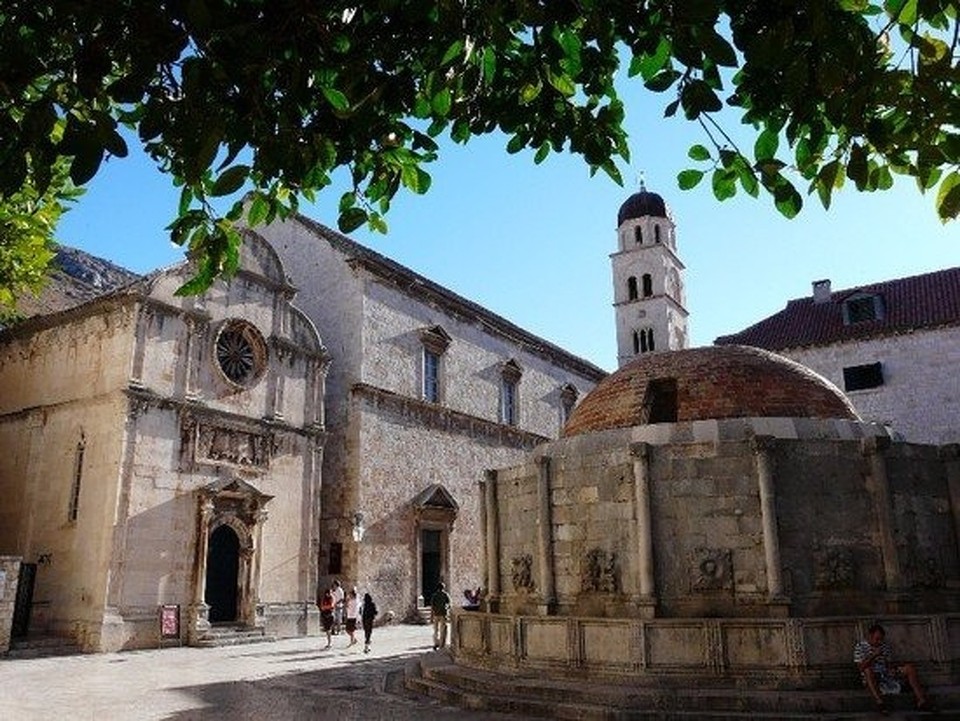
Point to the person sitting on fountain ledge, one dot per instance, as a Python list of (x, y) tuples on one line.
[(881, 674)]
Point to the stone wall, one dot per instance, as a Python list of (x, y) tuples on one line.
[(920, 395), (9, 575), (766, 653), (386, 444), (737, 527)]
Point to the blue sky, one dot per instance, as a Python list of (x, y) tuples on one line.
[(532, 243)]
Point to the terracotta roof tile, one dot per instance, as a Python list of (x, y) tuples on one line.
[(921, 301)]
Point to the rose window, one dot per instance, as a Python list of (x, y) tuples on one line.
[(240, 352)]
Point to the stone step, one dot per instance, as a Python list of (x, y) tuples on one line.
[(586, 700), (42, 647), (233, 636)]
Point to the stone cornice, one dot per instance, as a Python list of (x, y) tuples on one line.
[(443, 418), (145, 398)]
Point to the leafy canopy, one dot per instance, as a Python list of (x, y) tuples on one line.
[(273, 96)]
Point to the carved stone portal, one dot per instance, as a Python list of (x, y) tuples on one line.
[(600, 572)]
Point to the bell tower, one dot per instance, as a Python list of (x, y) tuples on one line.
[(648, 294)]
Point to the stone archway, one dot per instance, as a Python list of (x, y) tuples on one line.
[(227, 565)]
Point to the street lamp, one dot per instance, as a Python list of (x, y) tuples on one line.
[(358, 527)]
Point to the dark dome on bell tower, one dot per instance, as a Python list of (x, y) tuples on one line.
[(642, 204)]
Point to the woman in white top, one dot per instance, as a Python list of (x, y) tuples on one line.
[(352, 609)]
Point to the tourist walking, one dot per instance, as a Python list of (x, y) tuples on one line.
[(439, 609), (326, 614), (352, 611), (367, 613), (337, 591)]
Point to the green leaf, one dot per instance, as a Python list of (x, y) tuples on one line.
[(186, 199), (351, 219), (723, 184), (454, 51), (530, 91), (489, 64), (787, 199), (649, 65), (86, 161), (561, 83), (259, 207), (948, 197), (766, 145), (688, 179), (516, 144), (542, 152), (698, 152), (338, 101), (442, 102), (415, 178), (857, 166), (661, 81), (230, 180)]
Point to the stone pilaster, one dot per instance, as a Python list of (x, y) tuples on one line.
[(646, 579), (548, 587), (950, 455), (491, 546), (873, 450), (763, 451), (9, 576)]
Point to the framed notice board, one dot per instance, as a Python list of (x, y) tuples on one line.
[(169, 622)]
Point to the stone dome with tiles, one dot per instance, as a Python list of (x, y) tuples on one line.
[(709, 383)]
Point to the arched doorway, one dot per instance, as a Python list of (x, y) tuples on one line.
[(223, 564)]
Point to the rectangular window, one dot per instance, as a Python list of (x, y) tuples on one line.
[(335, 562), (431, 376), (862, 309), (508, 402), (857, 378)]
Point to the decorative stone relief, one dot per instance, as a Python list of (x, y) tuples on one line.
[(834, 569), (522, 572), (712, 569), (600, 572), (927, 573), (228, 445)]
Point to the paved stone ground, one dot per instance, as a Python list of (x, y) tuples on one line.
[(283, 680), (286, 680)]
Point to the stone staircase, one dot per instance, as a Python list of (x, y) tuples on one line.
[(233, 636), (42, 647), (436, 676)]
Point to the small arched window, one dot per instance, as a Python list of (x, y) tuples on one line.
[(647, 285), (636, 342), (656, 234), (632, 288), (638, 235)]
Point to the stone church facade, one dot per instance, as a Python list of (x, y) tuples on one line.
[(425, 391), (892, 346), (161, 451)]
